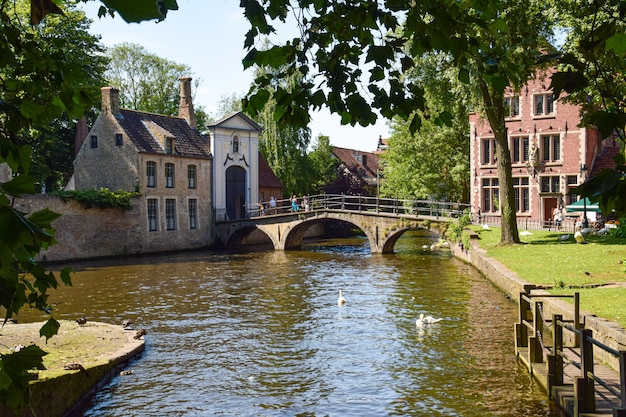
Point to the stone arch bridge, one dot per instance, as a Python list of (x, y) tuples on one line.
[(382, 220)]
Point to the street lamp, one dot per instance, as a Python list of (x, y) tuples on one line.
[(583, 175)]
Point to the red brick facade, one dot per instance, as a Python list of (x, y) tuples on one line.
[(547, 147)]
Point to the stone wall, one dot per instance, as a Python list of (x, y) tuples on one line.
[(95, 233)]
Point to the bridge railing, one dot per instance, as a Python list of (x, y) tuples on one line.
[(359, 203)]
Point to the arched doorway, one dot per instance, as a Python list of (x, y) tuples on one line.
[(235, 192)]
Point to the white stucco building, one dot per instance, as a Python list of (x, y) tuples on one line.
[(235, 146)]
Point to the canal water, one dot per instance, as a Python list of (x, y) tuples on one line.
[(261, 334)]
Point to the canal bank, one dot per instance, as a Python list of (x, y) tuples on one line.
[(607, 333), (94, 351)]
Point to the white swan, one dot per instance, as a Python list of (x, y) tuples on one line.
[(426, 320), (341, 300)]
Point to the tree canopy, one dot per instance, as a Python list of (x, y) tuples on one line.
[(591, 72), (433, 162), (354, 58), (148, 82)]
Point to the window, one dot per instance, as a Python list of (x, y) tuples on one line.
[(94, 141), (544, 104), (153, 214), (551, 148), (572, 181), (519, 149), (191, 176), (150, 174), (511, 105), (488, 151), (169, 175), (522, 194), (235, 144), (170, 214), (169, 146), (491, 194), (118, 139), (551, 184), (193, 213)]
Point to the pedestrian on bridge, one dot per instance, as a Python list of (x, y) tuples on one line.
[(294, 204), (272, 205)]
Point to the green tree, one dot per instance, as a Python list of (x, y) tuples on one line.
[(40, 81), (284, 147), (53, 143), (433, 162), (148, 82), (355, 56), (591, 72), (323, 163), (229, 104)]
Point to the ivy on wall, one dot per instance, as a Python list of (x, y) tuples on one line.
[(101, 198)]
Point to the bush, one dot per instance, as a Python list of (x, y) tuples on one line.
[(620, 231), (101, 198)]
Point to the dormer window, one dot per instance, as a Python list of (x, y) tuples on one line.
[(169, 146), (235, 144)]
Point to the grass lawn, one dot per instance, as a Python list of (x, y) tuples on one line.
[(597, 270)]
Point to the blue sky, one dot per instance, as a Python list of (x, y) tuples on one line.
[(208, 37)]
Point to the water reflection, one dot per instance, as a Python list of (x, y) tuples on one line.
[(260, 334)]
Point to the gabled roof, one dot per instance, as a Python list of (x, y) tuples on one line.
[(605, 159), (348, 157), (141, 128), (237, 120), (267, 178)]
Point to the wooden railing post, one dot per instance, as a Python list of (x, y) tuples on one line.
[(584, 385), (621, 411), (555, 359), (577, 324), (521, 330), (535, 348)]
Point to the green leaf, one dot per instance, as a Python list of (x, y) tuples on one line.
[(22, 184), (617, 43), (49, 329), (65, 276), (464, 76), (140, 10), (607, 122), (44, 218), (31, 110)]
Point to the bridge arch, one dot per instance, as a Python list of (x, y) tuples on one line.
[(239, 236)]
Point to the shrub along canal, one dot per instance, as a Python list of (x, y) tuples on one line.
[(261, 334)]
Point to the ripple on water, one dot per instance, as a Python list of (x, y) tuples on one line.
[(260, 334)]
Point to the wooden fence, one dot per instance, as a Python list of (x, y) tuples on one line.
[(560, 353)]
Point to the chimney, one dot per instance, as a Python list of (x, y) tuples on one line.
[(82, 130), (110, 100), (185, 108)]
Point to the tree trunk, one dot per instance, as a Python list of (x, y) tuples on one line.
[(494, 109), (508, 222)]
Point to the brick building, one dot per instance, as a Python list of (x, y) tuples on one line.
[(363, 165), (164, 158), (550, 153)]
